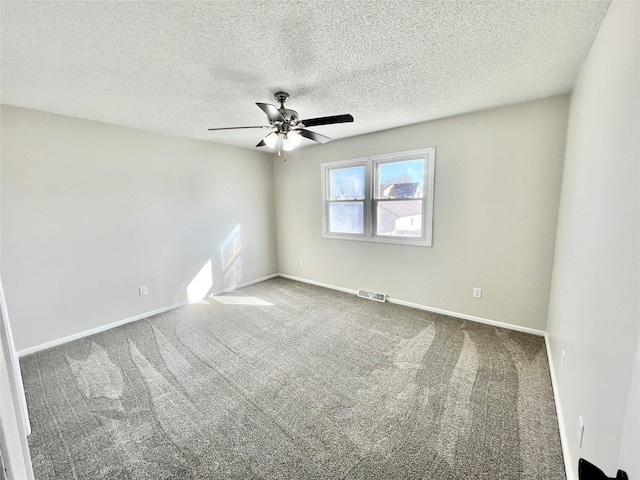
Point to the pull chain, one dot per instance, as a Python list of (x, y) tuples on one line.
[(280, 151)]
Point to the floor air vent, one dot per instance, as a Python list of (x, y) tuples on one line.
[(378, 297)]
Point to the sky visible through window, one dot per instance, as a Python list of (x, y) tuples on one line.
[(402, 172), (347, 183)]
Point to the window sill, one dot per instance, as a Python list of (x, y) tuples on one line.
[(418, 242)]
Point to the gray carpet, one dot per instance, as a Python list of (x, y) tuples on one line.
[(287, 380)]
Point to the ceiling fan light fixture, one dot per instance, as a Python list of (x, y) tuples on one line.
[(291, 140), (271, 140)]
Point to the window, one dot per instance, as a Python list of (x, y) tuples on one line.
[(345, 199), (383, 198)]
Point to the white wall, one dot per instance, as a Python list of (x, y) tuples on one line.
[(595, 311), (497, 186), (92, 211)]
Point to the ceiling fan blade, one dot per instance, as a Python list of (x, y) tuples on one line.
[(313, 122), (271, 111), (237, 128), (316, 137)]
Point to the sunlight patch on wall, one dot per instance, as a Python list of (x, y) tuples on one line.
[(230, 260), (201, 284)]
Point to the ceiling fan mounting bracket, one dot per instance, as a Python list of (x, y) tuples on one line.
[(281, 97)]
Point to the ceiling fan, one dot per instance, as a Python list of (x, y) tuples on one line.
[(287, 129)]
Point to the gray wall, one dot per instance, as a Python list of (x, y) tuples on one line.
[(497, 187), (594, 311), (92, 211)]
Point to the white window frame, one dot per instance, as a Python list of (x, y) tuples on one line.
[(370, 202), (327, 167)]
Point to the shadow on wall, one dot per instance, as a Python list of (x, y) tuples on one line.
[(227, 278)]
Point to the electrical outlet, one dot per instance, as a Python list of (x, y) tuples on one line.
[(580, 431), (301, 262), (563, 357), (142, 291), (477, 292)]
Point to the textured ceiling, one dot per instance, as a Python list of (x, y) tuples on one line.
[(182, 67)]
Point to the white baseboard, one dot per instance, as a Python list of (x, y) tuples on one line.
[(102, 328), (561, 424), (463, 316), (320, 284)]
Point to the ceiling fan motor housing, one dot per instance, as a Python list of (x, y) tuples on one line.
[(290, 116)]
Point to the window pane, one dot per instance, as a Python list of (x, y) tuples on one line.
[(346, 183), (400, 218), (346, 217), (404, 179)]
